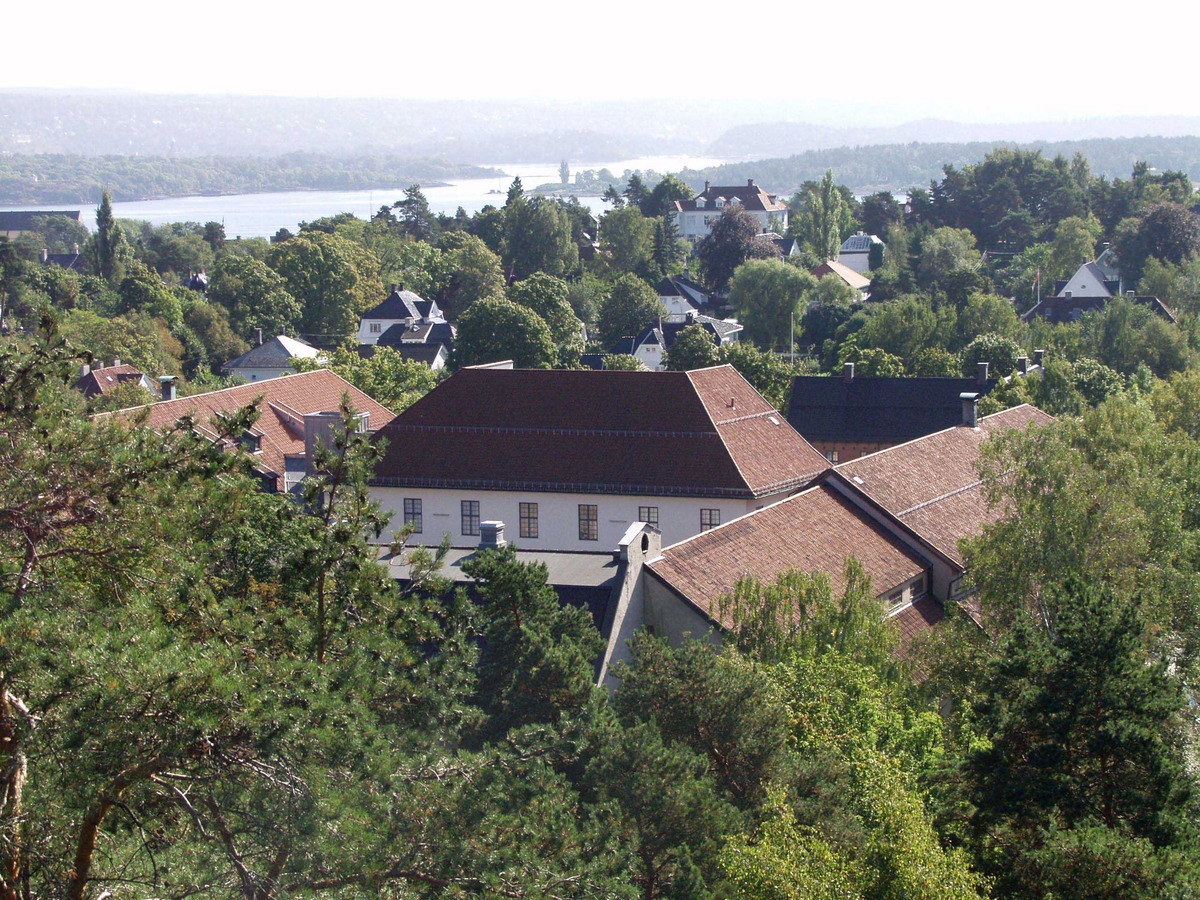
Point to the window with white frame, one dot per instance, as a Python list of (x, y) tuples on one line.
[(376, 327)]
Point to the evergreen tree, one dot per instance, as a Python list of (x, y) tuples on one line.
[(109, 248)]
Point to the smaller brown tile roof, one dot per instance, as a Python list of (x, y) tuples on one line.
[(101, 381), (932, 484), (816, 530), (282, 403)]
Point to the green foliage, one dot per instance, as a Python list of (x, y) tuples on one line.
[(872, 362), (1073, 245), (768, 295), (495, 329), (254, 296), (1000, 353), (945, 251), (385, 376), (767, 372), (623, 362), (628, 238), (630, 306), (732, 241), (547, 296), (825, 218), (334, 280), (467, 271), (537, 238), (694, 348)]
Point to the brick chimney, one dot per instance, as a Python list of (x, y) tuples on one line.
[(848, 372), (749, 182), (969, 409)]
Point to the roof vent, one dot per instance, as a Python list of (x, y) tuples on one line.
[(491, 536), (733, 402), (969, 409)]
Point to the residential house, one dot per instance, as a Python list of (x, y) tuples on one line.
[(270, 360), (787, 246), (73, 261), (694, 218), (900, 513), (99, 379), (835, 269), (851, 416), (572, 458), (681, 296), (401, 308), (435, 355), (15, 223), (650, 346), (862, 252), (1091, 288), (294, 410)]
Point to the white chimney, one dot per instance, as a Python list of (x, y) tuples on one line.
[(491, 535), (848, 372)]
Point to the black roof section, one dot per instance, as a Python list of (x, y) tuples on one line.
[(399, 305), (878, 410), (22, 219)]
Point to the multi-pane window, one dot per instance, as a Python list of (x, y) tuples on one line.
[(412, 514), (709, 518), (529, 525), (470, 517), (376, 327), (589, 522), (648, 514)]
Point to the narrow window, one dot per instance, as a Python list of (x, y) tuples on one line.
[(529, 525), (709, 518), (412, 514), (648, 514), (918, 587), (589, 522), (470, 517)]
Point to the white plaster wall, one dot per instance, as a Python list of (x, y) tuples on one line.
[(558, 515), (250, 374), (364, 329), (859, 262)]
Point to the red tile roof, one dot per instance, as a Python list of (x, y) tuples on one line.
[(282, 403), (932, 484), (813, 531), (100, 381), (655, 433)]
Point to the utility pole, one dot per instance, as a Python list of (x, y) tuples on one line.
[(793, 336)]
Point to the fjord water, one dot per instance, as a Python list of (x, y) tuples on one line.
[(261, 215)]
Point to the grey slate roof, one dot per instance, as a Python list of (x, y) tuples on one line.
[(424, 333), (22, 219), (666, 335), (859, 243), (1068, 309), (272, 354), (877, 410), (399, 305)]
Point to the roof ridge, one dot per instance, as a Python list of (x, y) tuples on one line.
[(940, 497)]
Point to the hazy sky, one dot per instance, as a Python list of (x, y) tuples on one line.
[(863, 62)]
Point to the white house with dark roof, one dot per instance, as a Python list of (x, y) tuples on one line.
[(694, 218), (570, 459), (855, 252), (650, 346), (402, 310), (271, 359)]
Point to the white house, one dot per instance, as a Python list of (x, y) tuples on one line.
[(402, 308), (650, 346), (695, 218), (569, 459), (271, 359), (855, 252)]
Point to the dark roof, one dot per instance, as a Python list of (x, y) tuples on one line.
[(272, 354), (932, 484), (101, 381), (283, 403), (75, 262), (750, 196), (877, 410), (666, 334), (418, 333), (399, 305), (816, 530), (592, 361), (1068, 309), (22, 220), (614, 432)]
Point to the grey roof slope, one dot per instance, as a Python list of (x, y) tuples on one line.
[(400, 305), (877, 410), (667, 333), (272, 354), (22, 219), (859, 243)]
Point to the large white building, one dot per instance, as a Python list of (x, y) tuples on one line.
[(695, 218), (568, 460)]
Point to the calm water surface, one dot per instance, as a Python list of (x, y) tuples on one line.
[(261, 215)]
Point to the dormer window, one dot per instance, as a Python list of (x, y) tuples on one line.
[(733, 201), (720, 202), (251, 442), (376, 327)]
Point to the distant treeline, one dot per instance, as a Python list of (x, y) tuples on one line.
[(900, 166), (57, 178)]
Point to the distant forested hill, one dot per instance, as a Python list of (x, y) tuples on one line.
[(54, 178), (900, 166)]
